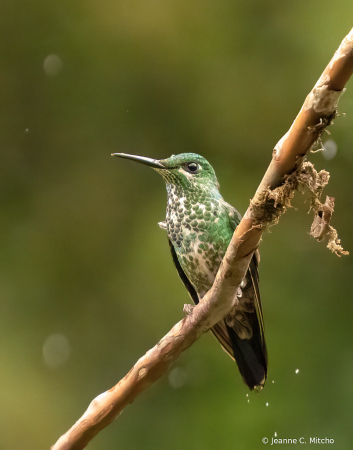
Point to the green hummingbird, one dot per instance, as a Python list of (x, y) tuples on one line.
[(200, 225)]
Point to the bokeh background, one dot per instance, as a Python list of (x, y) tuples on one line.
[(86, 280)]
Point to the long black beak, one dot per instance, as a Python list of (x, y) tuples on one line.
[(142, 159)]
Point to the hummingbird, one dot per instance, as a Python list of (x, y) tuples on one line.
[(200, 224)]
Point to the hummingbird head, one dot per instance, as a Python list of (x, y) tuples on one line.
[(187, 171)]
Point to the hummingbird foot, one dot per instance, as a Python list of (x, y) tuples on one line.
[(188, 309)]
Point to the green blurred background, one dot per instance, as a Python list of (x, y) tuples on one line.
[(87, 283)]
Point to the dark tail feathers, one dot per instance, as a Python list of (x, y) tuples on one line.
[(251, 357)]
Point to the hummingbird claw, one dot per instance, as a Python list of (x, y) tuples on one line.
[(188, 309)]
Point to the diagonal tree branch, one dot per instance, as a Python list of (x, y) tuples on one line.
[(284, 175)]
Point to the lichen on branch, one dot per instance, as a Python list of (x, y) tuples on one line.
[(321, 228), (270, 204)]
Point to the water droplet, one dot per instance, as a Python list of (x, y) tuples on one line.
[(177, 378), (267, 404), (247, 395), (56, 350), (52, 65), (275, 434), (27, 130), (330, 149), (248, 401), (273, 381), (296, 370)]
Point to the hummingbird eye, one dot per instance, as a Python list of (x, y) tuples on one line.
[(192, 167)]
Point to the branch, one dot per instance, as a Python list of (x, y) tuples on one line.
[(155, 363), (284, 175)]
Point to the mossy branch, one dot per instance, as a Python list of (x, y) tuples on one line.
[(270, 204)]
